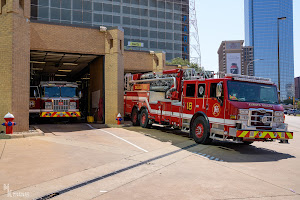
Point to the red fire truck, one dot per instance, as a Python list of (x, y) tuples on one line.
[(238, 108), (54, 99)]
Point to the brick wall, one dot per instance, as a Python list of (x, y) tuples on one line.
[(114, 75), (14, 61), (58, 38), (138, 61)]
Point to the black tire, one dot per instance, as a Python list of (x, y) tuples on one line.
[(135, 117), (200, 131), (144, 120), (247, 142)]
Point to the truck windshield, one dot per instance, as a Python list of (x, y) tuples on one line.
[(59, 92), (51, 92), (68, 92), (252, 92)]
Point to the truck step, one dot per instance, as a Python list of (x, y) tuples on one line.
[(186, 125), (186, 130)]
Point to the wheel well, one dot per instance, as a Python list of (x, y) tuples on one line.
[(197, 114), (142, 108)]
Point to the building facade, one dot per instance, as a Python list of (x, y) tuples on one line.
[(234, 58), (156, 25), (297, 87), (33, 51), (269, 29)]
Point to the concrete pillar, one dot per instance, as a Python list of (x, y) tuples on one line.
[(15, 61), (114, 75)]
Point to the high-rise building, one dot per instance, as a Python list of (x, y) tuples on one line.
[(297, 87), (248, 60), (269, 29), (157, 25), (235, 58)]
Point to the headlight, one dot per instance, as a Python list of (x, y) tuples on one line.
[(73, 105), (278, 119), (48, 105), (278, 114), (243, 111), (244, 117)]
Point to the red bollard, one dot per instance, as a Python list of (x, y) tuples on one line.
[(119, 119), (9, 123)]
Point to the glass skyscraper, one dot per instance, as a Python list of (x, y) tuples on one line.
[(157, 25), (263, 26)]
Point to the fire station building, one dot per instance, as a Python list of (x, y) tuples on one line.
[(32, 51)]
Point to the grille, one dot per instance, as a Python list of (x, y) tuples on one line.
[(61, 105), (261, 118)]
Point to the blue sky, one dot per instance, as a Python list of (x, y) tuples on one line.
[(220, 20)]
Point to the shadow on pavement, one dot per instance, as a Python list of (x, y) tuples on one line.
[(225, 151), (231, 152)]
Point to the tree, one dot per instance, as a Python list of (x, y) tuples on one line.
[(288, 101), (184, 62)]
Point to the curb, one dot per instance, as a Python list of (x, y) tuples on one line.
[(37, 132), (118, 126)]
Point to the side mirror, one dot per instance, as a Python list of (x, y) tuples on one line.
[(80, 94), (34, 93), (219, 89)]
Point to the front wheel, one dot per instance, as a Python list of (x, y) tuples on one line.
[(144, 120), (247, 142), (200, 131)]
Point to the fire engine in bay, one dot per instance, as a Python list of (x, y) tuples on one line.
[(236, 108), (54, 99)]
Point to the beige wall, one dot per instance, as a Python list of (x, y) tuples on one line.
[(57, 38), (144, 61), (138, 61), (14, 61)]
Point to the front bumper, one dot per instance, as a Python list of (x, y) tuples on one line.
[(264, 135), (60, 114)]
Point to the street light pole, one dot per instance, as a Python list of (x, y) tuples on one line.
[(278, 53), (252, 62)]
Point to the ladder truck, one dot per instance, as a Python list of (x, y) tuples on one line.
[(236, 108)]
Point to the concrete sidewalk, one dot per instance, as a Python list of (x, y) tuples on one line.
[(79, 162)]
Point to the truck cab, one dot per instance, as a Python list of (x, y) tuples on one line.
[(241, 108)]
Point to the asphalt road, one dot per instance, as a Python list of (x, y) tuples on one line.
[(79, 161)]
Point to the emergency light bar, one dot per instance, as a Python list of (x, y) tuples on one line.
[(249, 78)]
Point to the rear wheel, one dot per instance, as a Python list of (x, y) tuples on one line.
[(200, 131), (144, 120), (135, 117)]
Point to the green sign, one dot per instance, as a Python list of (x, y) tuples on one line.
[(135, 44)]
